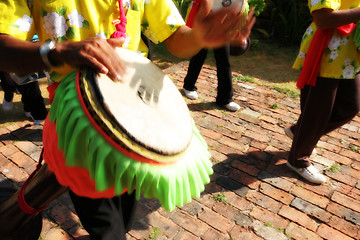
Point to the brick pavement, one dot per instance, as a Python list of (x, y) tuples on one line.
[(252, 194)]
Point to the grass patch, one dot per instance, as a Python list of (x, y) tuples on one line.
[(334, 168), (154, 234), (219, 197), (354, 148)]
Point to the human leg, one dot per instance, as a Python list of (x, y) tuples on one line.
[(106, 218), (195, 65), (33, 100), (224, 75), (317, 104)]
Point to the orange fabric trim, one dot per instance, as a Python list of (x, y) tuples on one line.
[(76, 178)]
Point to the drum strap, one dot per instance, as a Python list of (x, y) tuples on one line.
[(26, 208), (120, 23)]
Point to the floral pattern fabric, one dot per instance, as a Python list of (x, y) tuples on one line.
[(68, 20), (341, 60)]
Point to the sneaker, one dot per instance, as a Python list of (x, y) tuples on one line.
[(290, 134), (190, 94), (7, 106), (28, 115), (38, 122), (310, 173), (232, 106)]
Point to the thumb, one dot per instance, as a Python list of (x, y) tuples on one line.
[(205, 8), (116, 42)]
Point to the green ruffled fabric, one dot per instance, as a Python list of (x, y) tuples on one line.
[(84, 147)]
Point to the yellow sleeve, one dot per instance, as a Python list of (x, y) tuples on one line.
[(319, 4), (163, 18), (16, 19)]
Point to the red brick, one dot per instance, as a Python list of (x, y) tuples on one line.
[(298, 217), (309, 196), (239, 202), (343, 212), (64, 217), (211, 134), (344, 226), (336, 157), (264, 215), (8, 150), (330, 233), (24, 161), (213, 234), (263, 200), (346, 201), (343, 178), (249, 169), (215, 220), (299, 233), (189, 223), (166, 226), (276, 193), (245, 179), (13, 172), (241, 233), (27, 147), (257, 136), (183, 235)]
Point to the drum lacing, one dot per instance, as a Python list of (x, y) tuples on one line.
[(26, 208), (120, 23)]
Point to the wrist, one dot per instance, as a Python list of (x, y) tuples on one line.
[(48, 54)]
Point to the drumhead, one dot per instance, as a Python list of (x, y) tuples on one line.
[(145, 111), (229, 3)]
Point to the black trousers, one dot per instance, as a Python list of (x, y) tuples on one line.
[(324, 108), (224, 75), (30, 96), (106, 218)]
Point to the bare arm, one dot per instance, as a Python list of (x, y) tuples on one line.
[(328, 18), (23, 57), (210, 30)]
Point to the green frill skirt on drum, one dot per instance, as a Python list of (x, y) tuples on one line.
[(84, 159)]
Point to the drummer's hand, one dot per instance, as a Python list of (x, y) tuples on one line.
[(95, 52), (244, 32), (216, 28)]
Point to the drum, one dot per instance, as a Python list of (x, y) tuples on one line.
[(241, 4), (104, 138)]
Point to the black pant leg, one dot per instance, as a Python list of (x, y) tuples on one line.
[(7, 88), (33, 100), (224, 75), (106, 218), (195, 65), (317, 104), (346, 105)]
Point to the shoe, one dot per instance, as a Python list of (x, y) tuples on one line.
[(310, 173), (290, 134), (28, 115), (190, 94), (232, 106), (38, 122), (7, 106)]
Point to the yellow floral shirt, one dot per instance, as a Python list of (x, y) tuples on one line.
[(72, 20), (341, 60)]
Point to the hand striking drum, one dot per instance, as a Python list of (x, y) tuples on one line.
[(117, 137)]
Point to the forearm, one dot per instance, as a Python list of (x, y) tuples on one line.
[(328, 18), (182, 43), (19, 56)]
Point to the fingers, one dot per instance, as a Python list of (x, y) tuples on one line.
[(96, 53)]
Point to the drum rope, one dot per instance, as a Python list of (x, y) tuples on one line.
[(26, 208), (120, 23)]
